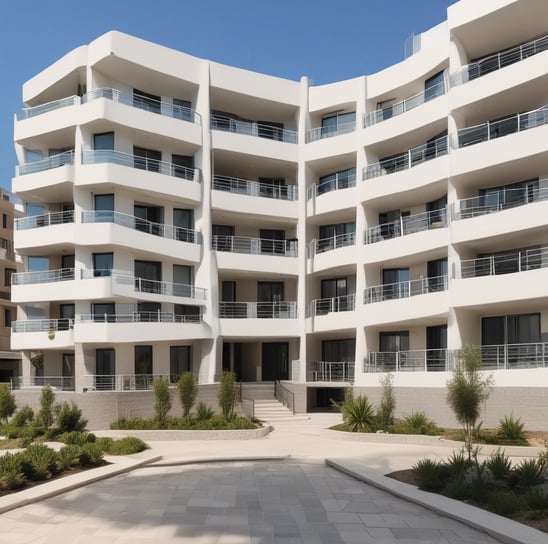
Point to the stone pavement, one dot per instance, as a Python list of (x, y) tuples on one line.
[(295, 499)]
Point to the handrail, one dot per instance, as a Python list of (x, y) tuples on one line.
[(63, 383), (139, 317), (99, 156), (284, 395), (337, 182), (136, 223), (121, 382), (323, 306), (492, 130), (379, 115), (44, 220), (332, 371), (54, 161), (258, 310), (42, 325), (319, 133), (409, 224), (254, 188), (143, 285), (43, 276), (33, 111), (412, 157), (254, 246), (417, 360), (322, 245), (252, 128), (496, 61), (404, 289)]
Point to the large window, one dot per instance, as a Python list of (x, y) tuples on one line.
[(146, 159), (104, 208), (105, 369), (508, 196), (103, 141), (434, 86), (143, 360), (394, 341), (337, 180), (510, 329), (102, 264), (343, 350), (180, 360), (335, 124), (146, 101)]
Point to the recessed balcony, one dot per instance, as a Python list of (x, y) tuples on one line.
[(505, 263), (331, 371), (324, 306), (405, 289), (319, 133), (339, 180), (42, 334), (254, 246), (418, 360), (254, 188), (323, 245), (258, 310), (55, 161), (252, 128)]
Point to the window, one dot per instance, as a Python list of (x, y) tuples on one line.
[(508, 196), (149, 219), (182, 280), (146, 159), (183, 166), (182, 109), (272, 241), (185, 313), (510, 329), (66, 314), (8, 272), (103, 312), (333, 236), (105, 369), (434, 86), (336, 180), (147, 101), (272, 187), (183, 220), (436, 347), (149, 311), (102, 264), (103, 141), (337, 124), (180, 360), (37, 264), (333, 288), (339, 350), (148, 276), (104, 208), (270, 130), (222, 237), (395, 283), (143, 362), (4, 221), (7, 317), (394, 341)]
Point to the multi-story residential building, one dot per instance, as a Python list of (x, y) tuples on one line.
[(183, 214)]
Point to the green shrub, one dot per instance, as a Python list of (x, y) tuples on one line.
[(78, 438), (124, 446), (162, 399), (457, 465), (387, 406), (188, 390), (429, 475), (91, 455), (504, 503), (11, 471), (68, 456), (416, 423), (528, 473), (7, 402), (536, 499), (23, 417), (458, 489), (511, 429), (69, 417), (226, 394), (39, 462), (359, 414), (499, 464), (47, 399), (217, 422), (204, 412)]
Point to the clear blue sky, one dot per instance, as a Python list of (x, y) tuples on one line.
[(326, 40)]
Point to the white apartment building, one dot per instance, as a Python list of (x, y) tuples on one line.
[(186, 215)]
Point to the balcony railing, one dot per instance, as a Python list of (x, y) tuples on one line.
[(335, 242), (334, 184), (258, 310), (142, 285), (377, 116), (405, 289), (44, 220), (139, 317), (254, 188), (514, 356), (324, 306), (62, 383), (251, 128), (407, 225), (492, 130), (27, 113), (412, 157), (43, 276), (121, 382), (254, 246), (418, 360), (330, 371), (45, 164), (136, 223), (91, 156), (505, 263), (43, 325), (497, 201), (319, 133), (499, 60)]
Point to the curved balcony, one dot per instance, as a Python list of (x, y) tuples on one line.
[(27, 113), (252, 128), (258, 310), (319, 133), (254, 188), (254, 246), (405, 289), (34, 334), (324, 306), (44, 220), (335, 183), (322, 245), (331, 371), (43, 276), (55, 161)]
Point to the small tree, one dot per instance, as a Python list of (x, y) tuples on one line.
[(226, 394), (188, 390), (162, 404), (387, 406), (47, 399), (69, 417), (7, 402), (466, 391)]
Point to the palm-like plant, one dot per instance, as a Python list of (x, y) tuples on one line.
[(358, 414)]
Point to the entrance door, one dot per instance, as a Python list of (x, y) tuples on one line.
[(105, 369), (275, 361)]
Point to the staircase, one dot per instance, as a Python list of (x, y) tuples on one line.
[(266, 406)]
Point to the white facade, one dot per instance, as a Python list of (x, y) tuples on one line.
[(185, 214)]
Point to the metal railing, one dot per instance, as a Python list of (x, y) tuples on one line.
[(99, 156), (139, 317), (136, 223), (258, 310), (503, 199), (499, 60), (44, 220), (514, 356), (252, 128), (323, 306), (254, 246), (412, 157), (134, 100), (377, 116), (322, 245), (142, 285), (121, 382), (254, 188), (409, 224), (418, 360), (43, 325), (27, 113), (43, 276), (284, 395), (319, 133), (331, 371), (45, 164), (62, 383), (335, 183), (492, 130), (405, 289), (505, 263)]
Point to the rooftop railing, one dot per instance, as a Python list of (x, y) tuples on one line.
[(319, 133), (121, 382), (42, 325), (45, 164), (139, 317), (61, 383), (324, 306), (377, 116), (254, 246), (254, 188), (505, 263), (136, 223), (99, 156), (258, 310), (252, 128), (43, 276), (27, 113), (408, 224), (334, 184), (497, 201), (417, 360), (410, 158), (405, 289), (44, 220), (331, 371), (492, 130), (142, 285), (499, 60), (322, 245)]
